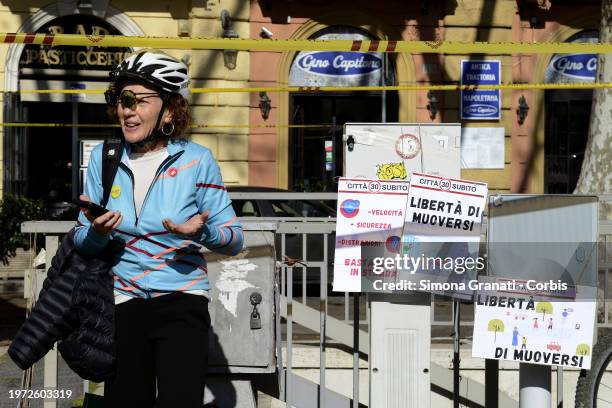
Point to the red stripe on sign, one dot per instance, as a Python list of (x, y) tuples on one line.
[(210, 186), (448, 191), (48, 39), (29, 38), (370, 192), (10, 38), (356, 45), (373, 45), (446, 178), (391, 46)]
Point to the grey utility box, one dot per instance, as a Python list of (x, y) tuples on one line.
[(244, 320), (543, 237), (234, 346)]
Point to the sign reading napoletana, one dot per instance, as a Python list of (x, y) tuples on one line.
[(480, 104)]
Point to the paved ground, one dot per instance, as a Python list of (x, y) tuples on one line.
[(12, 314), (305, 360)]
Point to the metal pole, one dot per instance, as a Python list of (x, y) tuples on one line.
[(355, 349), (289, 362), (50, 359), (75, 149), (384, 93), (491, 383), (456, 359), (323, 323), (534, 384), (559, 387)]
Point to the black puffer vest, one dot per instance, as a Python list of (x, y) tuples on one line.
[(76, 308)]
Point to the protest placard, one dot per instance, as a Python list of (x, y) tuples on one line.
[(370, 213), (515, 326), (442, 227)]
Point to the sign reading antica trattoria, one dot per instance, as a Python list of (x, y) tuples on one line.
[(74, 58)]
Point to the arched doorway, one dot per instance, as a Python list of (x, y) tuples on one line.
[(48, 162), (567, 116), (315, 154)]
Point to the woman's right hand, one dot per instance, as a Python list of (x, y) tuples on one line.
[(105, 223)]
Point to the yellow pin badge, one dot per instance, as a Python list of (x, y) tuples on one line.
[(115, 191)]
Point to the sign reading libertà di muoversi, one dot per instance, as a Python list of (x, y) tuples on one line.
[(442, 229), (370, 214), (516, 322), (443, 209)]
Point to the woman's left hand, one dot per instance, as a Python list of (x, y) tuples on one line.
[(192, 228)]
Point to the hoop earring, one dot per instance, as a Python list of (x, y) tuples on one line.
[(164, 129)]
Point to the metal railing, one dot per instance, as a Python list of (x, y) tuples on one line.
[(340, 317)]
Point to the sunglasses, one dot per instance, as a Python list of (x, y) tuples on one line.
[(127, 99)]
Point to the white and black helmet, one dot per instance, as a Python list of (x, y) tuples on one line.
[(156, 68)]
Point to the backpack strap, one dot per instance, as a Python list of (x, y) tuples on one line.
[(111, 156)]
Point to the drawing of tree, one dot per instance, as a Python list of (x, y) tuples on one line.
[(583, 349), (495, 325), (544, 308)]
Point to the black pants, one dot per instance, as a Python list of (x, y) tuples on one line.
[(160, 341)]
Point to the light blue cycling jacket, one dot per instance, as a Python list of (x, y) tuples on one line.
[(154, 261)]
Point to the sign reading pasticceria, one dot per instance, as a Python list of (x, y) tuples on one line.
[(72, 58)]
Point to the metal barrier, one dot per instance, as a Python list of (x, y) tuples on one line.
[(342, 318)]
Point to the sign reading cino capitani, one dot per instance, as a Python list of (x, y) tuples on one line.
[(573, 68), (331, 68), (480, 104)]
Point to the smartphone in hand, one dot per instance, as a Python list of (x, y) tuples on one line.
[(94, 209)]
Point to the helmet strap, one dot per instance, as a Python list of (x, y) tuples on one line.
[(156, 135)]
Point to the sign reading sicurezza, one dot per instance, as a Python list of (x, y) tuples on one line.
[(480, 104), (370, 213), (399, 236)]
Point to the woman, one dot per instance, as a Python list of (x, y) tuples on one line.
[(167, 202)]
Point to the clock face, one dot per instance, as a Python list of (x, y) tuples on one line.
[(407, 146)]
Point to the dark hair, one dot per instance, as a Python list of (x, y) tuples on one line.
[(176, 104)]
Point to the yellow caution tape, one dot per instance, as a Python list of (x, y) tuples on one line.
[(58, 125), (61, 91), (438, 46), (195, 126), (450, 87)]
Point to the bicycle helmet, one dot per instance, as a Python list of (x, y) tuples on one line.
[(156, 68)]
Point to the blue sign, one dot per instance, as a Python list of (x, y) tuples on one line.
[(577, 66), (481, 104), (339, 63)]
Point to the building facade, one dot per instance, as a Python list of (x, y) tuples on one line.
[(535, 142)]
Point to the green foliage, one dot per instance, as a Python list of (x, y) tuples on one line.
[(495, 325), (583, 350), (13, 211), (544, 308)]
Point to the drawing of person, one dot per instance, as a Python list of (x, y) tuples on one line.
[(524, 343), (535, 322), (515, 335), (550, 323)]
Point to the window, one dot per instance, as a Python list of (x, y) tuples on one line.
[(245, 208)]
